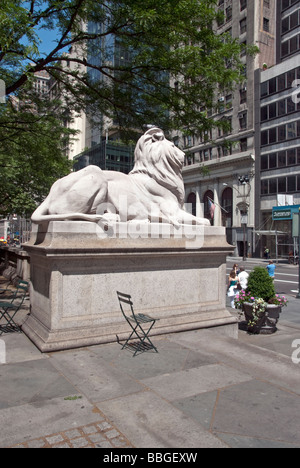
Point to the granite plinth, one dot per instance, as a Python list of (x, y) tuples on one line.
[(77, 267)]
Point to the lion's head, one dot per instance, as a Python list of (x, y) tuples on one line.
[(160, 159)]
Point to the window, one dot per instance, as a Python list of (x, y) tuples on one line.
[(272, 135), (264, 162), (227, 207), (272, 86), (294, 20), (243, 95), (264, 187), (207, 201), (285, 4), (291, 157), (272, 110), (281, 107), (266, 24), (285, 49), (282, 159), (290, 105), (264, 138), (281, 82), (264, 114), (243, 4), (293, 44), (243, 144), (264, 89), (228, 101), (243, 26), (272, 186), (229, 13), (243, 48), (285, 25), (243, 120), (272, 160), (290, 78), (291, 184), (282, 185), (291, 130), (281, 133), (191, 200)]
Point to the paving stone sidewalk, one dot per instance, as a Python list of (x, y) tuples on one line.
[(203, 389), (100, 434)]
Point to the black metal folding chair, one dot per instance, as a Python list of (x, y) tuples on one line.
[(140, 324), (10, 307)]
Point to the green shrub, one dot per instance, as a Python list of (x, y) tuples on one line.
[(260, 284)]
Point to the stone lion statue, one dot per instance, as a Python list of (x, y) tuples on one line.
[(152, 191)]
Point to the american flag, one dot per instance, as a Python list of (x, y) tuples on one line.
[(211, 207)]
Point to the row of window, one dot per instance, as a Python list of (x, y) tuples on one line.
[(287, 4), (291, 46), (290, 22), (281, 133), (279, 108), (207, 154), (289, 184), (290, 157), (280, 83)]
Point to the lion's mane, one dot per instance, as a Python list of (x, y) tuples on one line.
[(161, 160)]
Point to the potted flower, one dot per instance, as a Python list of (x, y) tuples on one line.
[(259, 303)]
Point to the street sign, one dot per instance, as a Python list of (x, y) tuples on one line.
[(282, 214)]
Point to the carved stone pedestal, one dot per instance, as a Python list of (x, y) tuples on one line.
[(77, 267)]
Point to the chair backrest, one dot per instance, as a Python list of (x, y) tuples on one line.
[(125, 299), (21, 291)]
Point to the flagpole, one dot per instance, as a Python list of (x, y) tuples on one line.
[(215, 203)]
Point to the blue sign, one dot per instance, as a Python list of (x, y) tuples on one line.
[(281, 213)]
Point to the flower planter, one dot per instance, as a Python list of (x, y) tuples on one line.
[(267, 321)]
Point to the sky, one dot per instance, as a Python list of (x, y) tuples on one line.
[(48, 40)]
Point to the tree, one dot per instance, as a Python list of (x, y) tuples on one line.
[(31, 154), (134, 62)]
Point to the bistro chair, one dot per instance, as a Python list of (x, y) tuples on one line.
[(140, 324)]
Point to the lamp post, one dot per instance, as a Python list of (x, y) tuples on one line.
[(243, 207)]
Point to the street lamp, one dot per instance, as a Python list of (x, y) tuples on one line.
[(243, 206)]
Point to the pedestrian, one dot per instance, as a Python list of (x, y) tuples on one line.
[(236, 268), (267, 253), (243, 278), (271, 269), (233, 282)]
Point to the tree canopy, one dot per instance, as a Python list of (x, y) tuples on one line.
[(134, 62)]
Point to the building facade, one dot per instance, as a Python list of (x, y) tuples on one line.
[(278, 136), (225, 174), (109, 155)]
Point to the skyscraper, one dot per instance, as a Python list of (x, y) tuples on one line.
[(230, 159), (278, 136)]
